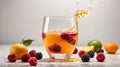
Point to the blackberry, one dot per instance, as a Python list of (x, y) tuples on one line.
[(100, 50), (38, 55), (91, 53), (85, 58)]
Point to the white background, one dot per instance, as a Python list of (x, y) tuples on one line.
[(22, 19)]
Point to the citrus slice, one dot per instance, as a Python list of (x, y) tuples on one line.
[(87, 48)]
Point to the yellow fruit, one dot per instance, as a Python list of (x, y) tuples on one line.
[(87, 48), (111, 47), (18, 49), (96, 43)]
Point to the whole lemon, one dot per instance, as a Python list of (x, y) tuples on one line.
[(18, 49), (96, 43), (111, 47)]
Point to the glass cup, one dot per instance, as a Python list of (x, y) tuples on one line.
[(59, 36)]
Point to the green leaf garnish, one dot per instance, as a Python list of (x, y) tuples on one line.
[(27, 42)]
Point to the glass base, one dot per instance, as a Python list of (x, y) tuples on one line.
[(59, 57)]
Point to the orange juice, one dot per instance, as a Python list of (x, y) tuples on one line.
[(60, 42)]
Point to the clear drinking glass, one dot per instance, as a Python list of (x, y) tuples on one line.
[(59, 36)]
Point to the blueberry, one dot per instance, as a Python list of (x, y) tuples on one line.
[(91, 53), (100, 50), (85, 58)]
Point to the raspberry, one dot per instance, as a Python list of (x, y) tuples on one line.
[(100, 57), (64, 36), (32, 61), (100, 50), (25, 57), (85, 58), (75, 51), (91, 53), (43, 35), (55, 48), (32, 53), (71, 40), (38, 55), (12, 58), (82, 52)]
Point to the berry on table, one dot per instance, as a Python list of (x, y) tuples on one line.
[(32, 61), (85, 58), (38, 55), (25, 57), (75, 51), (100, 50), (32, 53), (12, 58), (91, 53), (82, 52), (100, 57)]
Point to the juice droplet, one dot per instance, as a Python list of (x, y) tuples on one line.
[(102, 3), (90, 1), (77, 3)]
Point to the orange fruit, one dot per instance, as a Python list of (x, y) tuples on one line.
[(18, 49), (111, 47)]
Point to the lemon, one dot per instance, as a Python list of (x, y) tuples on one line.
[(87, 48), (18, 49), (96, 43)]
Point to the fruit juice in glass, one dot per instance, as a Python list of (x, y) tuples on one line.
[(60, 37)]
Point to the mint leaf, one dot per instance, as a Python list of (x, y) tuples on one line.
[(27, 42)]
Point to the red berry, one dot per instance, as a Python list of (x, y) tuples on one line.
[(75, 51), (43, 35), (71, 40), (64, 36), (100, 57), (12, 58), (25, 57), (72, 34), (81, 53), (55, 48), (32, 61), (32, 53)]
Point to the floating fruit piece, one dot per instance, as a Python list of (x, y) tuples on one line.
[(96, 43), (55, 48), (64, 36), (18, 50), (87, 48), (71, 40), (100, 57), (12, 58), (111, 47), (43, 35), (75, 51)]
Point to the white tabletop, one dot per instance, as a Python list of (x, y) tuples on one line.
[(110, 61)]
